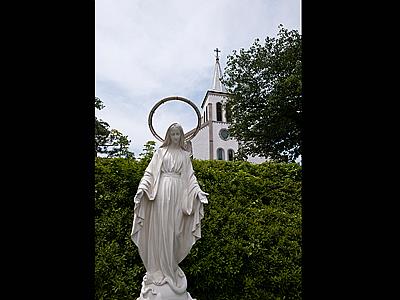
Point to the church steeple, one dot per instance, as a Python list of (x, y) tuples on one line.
[(217, 85)]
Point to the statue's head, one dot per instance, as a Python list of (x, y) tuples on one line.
[(174, 136)]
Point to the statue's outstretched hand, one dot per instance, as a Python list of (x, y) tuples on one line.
[(203, 196), (138, 196)]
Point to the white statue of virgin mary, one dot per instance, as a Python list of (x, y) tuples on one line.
[(167, 215)]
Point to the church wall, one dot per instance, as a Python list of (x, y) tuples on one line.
[(219, 143), (214, 99), (200, 144)]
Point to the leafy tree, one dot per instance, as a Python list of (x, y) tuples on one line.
[(265, 106), (111, 142), (148, 151), (101, 130), (120, 144)]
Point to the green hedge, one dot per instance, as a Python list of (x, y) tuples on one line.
[(251, 233)]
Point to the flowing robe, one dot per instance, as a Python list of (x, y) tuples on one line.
[(167, 218)]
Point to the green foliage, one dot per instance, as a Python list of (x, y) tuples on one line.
[(102, 131), (110, 142), (98, 103), (120, 144), (251, 233), (148, 151), (119, 271), (265, 105)]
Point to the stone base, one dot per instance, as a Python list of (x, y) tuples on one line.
[(164, 291)]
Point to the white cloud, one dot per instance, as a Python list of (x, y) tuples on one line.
[(147, 50)]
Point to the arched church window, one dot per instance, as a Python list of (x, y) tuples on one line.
[(219, 111), (220, 154), (230, 154), (228, 113)]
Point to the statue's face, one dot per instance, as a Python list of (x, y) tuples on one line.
[(175, 136)]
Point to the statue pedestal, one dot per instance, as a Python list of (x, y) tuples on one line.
[(151, 291)]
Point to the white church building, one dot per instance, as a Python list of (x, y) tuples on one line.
[(213, 140)]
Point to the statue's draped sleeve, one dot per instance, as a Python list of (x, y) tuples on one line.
[(192, 207), (149, 185), (151, 177)]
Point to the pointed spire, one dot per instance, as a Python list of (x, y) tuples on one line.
[(216, 83)]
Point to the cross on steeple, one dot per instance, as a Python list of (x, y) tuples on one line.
[(216, 50), (217, 84)]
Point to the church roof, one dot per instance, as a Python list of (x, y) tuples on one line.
[(209, 92), (217, 85)]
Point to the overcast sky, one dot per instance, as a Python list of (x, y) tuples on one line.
[(150, 49)]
